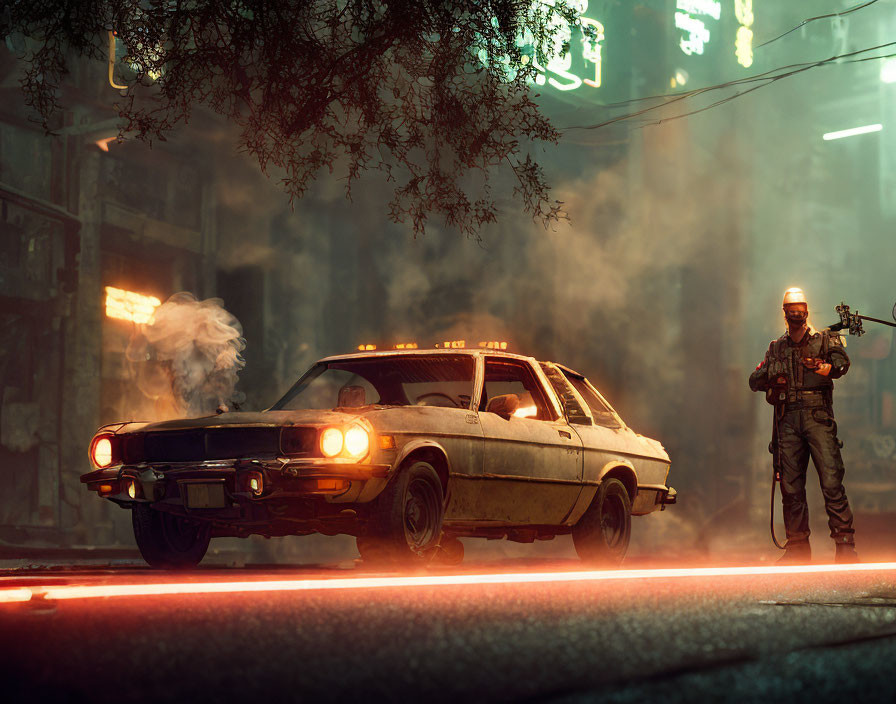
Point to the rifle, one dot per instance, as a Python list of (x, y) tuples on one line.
[(852, 322)]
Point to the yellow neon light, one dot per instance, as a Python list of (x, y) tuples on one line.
[(73, 591), (406, 346), (743, 43), (366, 348), (127, 305), (103, 144), (112, 64), (494, 345)]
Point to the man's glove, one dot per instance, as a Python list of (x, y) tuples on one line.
[(817, 365)]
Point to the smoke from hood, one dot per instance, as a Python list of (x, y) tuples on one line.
[(187, 358)]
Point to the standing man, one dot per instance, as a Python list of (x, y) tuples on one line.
[(797, 376)]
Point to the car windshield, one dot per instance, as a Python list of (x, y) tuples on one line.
[(412, 380)]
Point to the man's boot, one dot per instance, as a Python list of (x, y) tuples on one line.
[(796, 554), (846, 554)]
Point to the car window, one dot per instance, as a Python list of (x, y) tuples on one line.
[(407, 380), (573, 409), (332, 389), (509, 376), (602, 413)]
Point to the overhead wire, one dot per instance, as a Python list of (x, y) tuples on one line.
[(765, 78), (819, 17)]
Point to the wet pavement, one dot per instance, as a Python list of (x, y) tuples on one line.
[(757, 637)]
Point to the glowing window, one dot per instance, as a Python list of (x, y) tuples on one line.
[(128, 305)]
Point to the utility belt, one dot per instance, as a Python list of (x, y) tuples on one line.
[(798, 400)]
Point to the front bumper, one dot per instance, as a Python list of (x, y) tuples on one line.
[(276, 478)]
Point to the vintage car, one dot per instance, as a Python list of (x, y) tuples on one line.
[(408, 450)]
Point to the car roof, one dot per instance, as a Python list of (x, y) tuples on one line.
[(467, 351)]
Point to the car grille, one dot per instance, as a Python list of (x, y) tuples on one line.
[(210, 444)]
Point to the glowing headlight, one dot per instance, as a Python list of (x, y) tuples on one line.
[(102, 452), (357, 441), (331, 442)]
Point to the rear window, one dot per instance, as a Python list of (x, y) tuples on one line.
[(603, 414), (574, 412)]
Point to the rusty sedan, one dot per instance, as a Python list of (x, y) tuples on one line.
[(407, 450)]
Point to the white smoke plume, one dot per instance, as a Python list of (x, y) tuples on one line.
[(187, 358)]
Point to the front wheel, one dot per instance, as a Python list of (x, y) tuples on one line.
[(602, 535), (406, 521), (168, 541)]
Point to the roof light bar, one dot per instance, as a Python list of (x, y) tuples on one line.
[(827, 137), (452, 344)]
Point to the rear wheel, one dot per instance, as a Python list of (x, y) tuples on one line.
[(602, 535), (450, 552), (168, 541), (406, 520)]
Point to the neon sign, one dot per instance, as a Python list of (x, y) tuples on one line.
[(691, 17), (743, 44), (571, 64)]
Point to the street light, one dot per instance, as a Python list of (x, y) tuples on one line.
[(827, 137), (888, 71)]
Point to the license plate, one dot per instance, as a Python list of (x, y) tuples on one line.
[(206, 496)]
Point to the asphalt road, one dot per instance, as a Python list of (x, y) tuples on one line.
[(794, 637)]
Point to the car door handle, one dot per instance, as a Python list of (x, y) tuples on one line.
[(565, 434)]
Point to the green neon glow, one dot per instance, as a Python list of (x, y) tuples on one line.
[(579, 65)]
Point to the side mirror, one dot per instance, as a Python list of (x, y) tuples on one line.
[(504, 405)]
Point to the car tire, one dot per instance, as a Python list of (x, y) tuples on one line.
[(406, 520), (602, 534), (449, 553), (167, 541)]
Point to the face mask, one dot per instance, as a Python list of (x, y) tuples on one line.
[(796, 318)]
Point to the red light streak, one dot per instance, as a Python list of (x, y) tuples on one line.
[(8, 596), (174, 588)]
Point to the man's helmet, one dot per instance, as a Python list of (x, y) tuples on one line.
[(794, 295)]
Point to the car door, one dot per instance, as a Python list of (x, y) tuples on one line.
[(532, 461), (610, 441)]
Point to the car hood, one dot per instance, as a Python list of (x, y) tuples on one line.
[(256, 418)]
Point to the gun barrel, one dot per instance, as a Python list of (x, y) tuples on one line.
[(876, 320)]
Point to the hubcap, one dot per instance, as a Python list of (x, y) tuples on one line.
[(181, 535), (421, 512), (612, 521)]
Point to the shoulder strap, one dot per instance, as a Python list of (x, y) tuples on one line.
[(779, 347)]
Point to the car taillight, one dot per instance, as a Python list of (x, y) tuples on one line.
[(102, 450)]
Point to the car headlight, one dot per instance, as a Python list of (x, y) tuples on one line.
[(331, 442), (357, 441), (101, 451)]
